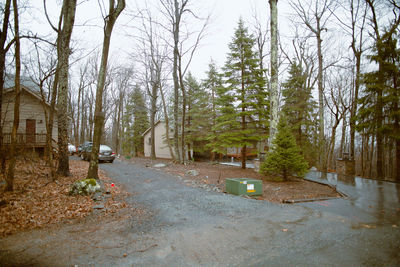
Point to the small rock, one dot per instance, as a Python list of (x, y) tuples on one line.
[(97, 196), (192, 172), (313, 169), (159, 165), (216, 189), (98, 207)]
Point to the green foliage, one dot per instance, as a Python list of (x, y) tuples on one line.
[(380, 98), (136, 121), (285, 158), (299, 109), (242, 100), (199, 117)]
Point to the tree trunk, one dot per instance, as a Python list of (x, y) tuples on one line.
[(3, 51), (321, 122), (176, 80), (353, 112), (331, 149), (182, 85), (12, 153), (167, 125), (343, 138), (99, 114), (68, 18), (379, 134), (274, 70), (371, 156), (396, 126), (152, 121)]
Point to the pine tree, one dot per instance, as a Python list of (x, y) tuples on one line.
[(239, 100), (141, 120), (135, 122), (199, 118), (211, 84), (379, 112), (285, 158), (298, 108)]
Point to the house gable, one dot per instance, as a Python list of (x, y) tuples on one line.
[(31, 113), (161, 146)]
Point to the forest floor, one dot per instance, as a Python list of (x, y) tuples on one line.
[(37, 201), (214, 174)]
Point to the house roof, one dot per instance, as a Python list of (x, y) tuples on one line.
[(28, 82), (27, 85), (148, 129)]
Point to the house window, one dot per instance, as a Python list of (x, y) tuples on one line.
[(149, 141)]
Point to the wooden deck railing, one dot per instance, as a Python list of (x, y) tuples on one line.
[(26, 139)]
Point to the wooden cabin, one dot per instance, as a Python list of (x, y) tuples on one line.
[(32, 124)]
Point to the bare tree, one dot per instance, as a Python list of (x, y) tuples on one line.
[(338, 103), (60, 87), (153, 54), (358, 18), (315, 17), (13, 159), (41, 72), (109, 22), (122, 83), (174, 11)]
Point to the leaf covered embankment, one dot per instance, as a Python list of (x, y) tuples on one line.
[(36, 201)]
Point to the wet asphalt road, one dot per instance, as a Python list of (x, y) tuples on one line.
[(193, 227), (368, 201)]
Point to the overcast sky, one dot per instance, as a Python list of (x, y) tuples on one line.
[(87, 33)]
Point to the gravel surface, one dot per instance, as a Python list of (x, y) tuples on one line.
[(186, 226)]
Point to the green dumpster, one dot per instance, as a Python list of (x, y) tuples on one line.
[(243, 186)]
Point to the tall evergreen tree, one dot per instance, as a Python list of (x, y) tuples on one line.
[(140, 120), (136, 121), (379, 112), (298, 108), (239, 97), (285, 157), (211, 84), (199, 118)]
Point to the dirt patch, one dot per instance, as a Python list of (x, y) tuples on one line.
[(214, 174), (37, 201)]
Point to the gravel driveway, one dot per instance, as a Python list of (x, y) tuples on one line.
[(193, 227)]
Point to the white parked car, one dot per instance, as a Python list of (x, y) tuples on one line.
[(71, 149)]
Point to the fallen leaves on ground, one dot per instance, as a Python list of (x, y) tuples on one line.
[(37, 201)]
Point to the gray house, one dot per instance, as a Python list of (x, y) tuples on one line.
[(32, 123)]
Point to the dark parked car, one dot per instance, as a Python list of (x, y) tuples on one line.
[(105, 153), (83, 146)]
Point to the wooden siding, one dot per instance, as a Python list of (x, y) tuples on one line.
[(31, 108), (162, 150)]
